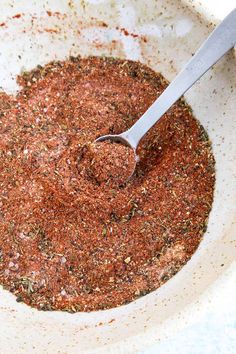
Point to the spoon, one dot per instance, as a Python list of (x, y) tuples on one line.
[(220, 41)]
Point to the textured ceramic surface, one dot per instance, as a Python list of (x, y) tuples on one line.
[(162, 34)]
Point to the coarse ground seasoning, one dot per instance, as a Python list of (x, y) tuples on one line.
[(68, 243), (108, 162)]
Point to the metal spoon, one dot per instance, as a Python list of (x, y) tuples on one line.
[(221, 40)]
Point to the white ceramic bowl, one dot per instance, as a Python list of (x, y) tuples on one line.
[(168, 33)]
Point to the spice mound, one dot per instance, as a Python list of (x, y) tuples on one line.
[(73, 244), (109, 162)]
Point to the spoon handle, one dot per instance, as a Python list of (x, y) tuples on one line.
[(221, 40)]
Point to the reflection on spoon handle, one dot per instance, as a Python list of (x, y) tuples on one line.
[(221, 40)]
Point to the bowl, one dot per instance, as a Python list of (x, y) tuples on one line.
[(162, 34)]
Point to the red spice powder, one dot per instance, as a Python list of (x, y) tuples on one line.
[(68, 243), (108, 162), (17, 16), (127, 33)]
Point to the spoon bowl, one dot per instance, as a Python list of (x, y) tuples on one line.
[(120, 139)]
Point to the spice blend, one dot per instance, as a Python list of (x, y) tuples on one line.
[(108, 162), (73, 242)]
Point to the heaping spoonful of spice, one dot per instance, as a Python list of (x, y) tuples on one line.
[(221, 40)]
